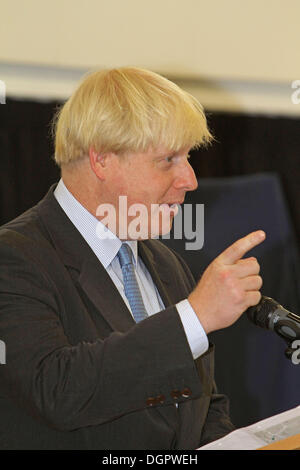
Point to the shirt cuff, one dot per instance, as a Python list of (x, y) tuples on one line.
[(194, 331)]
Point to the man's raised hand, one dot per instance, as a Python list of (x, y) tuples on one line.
[(229, 285)]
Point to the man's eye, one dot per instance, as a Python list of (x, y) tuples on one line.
[(175, 158)]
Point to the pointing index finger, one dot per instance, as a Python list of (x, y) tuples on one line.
[(237, 250)]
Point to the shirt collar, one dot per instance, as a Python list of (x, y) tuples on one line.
[(101, 240)]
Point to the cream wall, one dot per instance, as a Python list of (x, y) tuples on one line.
[(232, 54)]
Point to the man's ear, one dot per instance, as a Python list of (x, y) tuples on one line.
[(98, 162)]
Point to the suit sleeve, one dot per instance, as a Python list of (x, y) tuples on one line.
[(217, 423)]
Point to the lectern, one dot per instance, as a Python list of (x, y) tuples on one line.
[(290, 443)]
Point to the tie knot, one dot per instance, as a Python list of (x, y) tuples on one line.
[(125, 255)]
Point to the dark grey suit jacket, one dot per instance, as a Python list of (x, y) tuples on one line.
[(79, 373)]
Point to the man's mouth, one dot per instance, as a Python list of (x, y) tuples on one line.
[(171, 208)]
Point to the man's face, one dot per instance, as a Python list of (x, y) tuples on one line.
[(149, 184)]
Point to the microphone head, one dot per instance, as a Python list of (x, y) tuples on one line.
[(260, 313)]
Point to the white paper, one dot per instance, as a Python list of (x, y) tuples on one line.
[(260, 434)]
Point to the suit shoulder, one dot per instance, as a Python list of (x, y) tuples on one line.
[(27, 223), (25, 237)]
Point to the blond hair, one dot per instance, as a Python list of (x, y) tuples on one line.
[(127, 110)]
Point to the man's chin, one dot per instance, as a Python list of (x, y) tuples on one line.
[(163, 230), (152, 231), (140, 225)]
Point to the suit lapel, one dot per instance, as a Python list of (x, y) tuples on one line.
[(158, 273), (101, 290), (76, 254)]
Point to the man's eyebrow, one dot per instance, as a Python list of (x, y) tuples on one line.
[(167, 154)]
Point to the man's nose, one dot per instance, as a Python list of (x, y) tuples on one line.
[(186, 178)]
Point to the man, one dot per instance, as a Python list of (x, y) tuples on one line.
[(104, 327)]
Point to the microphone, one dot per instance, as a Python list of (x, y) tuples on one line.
[(270, 315)]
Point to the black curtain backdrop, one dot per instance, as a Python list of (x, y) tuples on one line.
[(27, 167)]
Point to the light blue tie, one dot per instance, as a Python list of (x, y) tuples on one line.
[(131, 287)]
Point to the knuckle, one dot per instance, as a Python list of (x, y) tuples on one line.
[(254, 298), (253, 263), (256, 265), (260, 281), (225, 275), (228, 280), (253, 267), (257, 296)]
